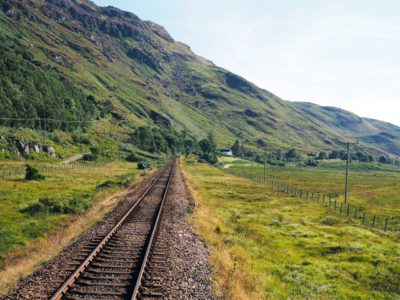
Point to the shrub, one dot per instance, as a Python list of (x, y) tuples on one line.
[(124, 181), (143, 165), (58, 206), (89, 157), (311, 163), (133, 157), (211, 158), (32, 173)]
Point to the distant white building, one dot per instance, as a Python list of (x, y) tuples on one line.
[(226, 152)]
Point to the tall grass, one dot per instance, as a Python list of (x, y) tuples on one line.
[(282, 249)]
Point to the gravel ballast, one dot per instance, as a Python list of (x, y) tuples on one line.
[(186, 273)]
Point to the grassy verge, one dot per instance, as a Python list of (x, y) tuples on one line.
[(38, 218), (265, 245), (65, 193), (377, 191)]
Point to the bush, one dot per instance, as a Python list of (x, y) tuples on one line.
[(211, 158), (32, 173), (124, 181), (311, 163), (133, 157), (143, 165), (81, 138), (89, 157), (58, 206)]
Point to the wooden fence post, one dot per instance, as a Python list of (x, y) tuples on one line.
[(386, 224), (355, 213), (335, 205), (363, 219), (373, 221), (341, 207)]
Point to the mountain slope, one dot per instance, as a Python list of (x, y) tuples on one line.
[(134, 73)]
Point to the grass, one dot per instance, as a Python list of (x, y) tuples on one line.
[(265, 245), (372, 186), (30, 210), (203, 101)]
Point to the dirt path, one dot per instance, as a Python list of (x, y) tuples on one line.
[(72, 159)]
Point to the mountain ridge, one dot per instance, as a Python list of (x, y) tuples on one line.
[(136, 71)]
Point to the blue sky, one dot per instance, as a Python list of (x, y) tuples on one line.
[(343, 53)]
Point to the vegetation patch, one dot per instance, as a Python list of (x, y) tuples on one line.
[(47, 205), (282, 247), (32, 173), (30, 209)]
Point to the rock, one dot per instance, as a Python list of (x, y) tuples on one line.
[(23, 147), (50, 150), (37, 148)]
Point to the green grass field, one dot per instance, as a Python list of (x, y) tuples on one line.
[(67, 193), (267, 245), (371, 186)]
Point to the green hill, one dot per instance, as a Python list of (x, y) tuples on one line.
[(71, 62)]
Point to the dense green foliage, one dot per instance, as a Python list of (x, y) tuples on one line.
[(32, 173), (169, 141), (58, 206), (279, 157), (30, 90)]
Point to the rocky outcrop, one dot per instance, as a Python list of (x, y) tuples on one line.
[(50, 150), (23, 147)]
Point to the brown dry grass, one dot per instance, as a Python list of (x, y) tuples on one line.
[(230, 282)]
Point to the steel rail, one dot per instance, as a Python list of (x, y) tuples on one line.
[(74, 276), (154, 232)]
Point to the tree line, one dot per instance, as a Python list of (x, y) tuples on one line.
[(280, 157), (171, 141)]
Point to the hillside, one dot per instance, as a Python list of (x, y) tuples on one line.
[(72, 60)]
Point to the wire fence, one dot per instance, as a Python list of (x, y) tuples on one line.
[(330, 200), (15, 172)]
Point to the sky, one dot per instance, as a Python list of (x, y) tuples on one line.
[(343, 53)]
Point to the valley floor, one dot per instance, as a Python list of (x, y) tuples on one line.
[(267, 245)]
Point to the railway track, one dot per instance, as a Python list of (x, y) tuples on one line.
[(124, 263)]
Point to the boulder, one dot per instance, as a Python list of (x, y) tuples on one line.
[(23, 147), (50, 150), (37, 148)]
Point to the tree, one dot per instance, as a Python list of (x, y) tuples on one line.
[(334, 154), (236, 149), (292, 154), (206, 146), (361, 157), (213, 143), (322, 155), (383, 160), (32, 173)]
